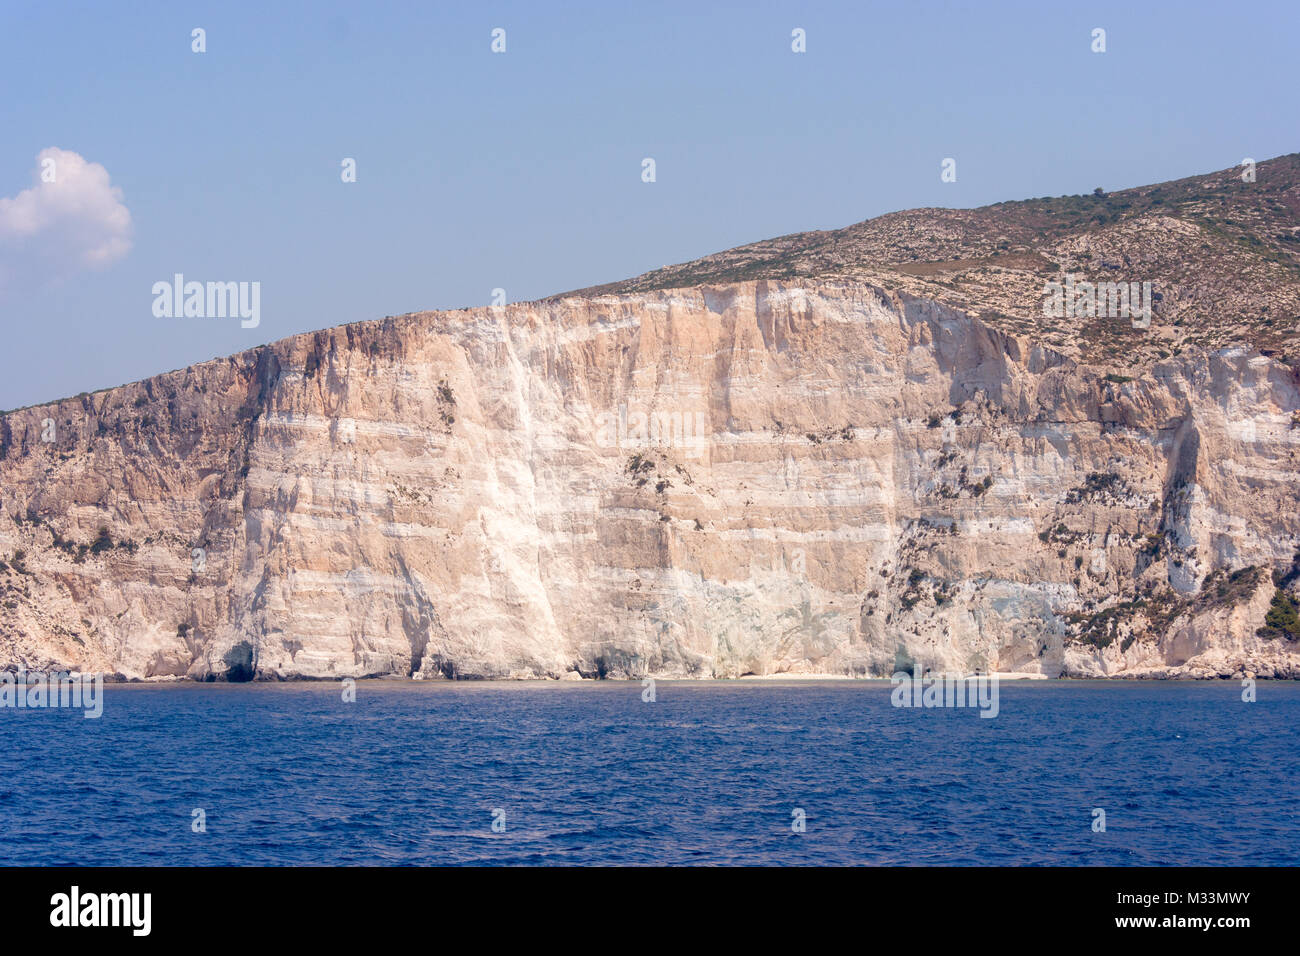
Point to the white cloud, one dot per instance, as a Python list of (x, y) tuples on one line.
[(72, 219)]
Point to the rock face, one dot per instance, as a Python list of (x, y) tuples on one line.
[(754, 478)]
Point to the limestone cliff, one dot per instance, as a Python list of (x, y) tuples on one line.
[(751, 478)]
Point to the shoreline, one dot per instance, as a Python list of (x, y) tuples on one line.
[(749, 680)]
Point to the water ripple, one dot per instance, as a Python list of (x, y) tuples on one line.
[(711, 773)]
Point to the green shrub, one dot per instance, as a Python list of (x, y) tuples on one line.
[(1282, 619), (103, 542)]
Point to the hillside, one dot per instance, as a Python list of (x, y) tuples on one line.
[(847, 452), (1223, 256)]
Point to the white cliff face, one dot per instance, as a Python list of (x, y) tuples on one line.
[(747, 479)]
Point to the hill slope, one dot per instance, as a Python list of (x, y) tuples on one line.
[(781, 469), (1222, 254)]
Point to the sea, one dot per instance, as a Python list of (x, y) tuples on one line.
[(748, 772)]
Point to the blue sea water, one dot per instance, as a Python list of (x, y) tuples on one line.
[(709, 773)]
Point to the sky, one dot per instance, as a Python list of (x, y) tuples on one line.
[(522, 170)]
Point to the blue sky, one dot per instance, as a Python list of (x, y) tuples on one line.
[(522, 170)]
